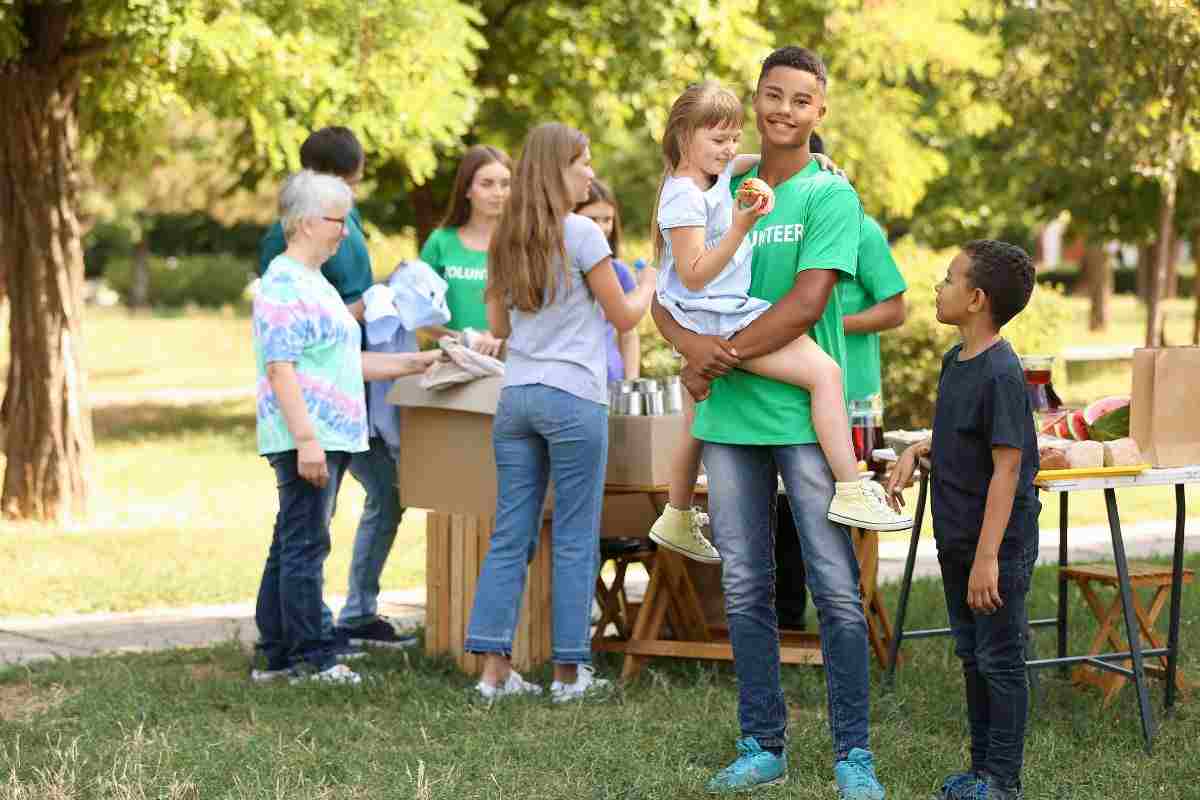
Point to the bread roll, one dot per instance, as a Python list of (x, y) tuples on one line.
[(1085, 455), (1122, 453)]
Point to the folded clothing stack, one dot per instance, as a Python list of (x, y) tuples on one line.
[(462, 366)]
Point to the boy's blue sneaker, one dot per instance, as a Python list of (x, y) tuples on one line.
[(856, 776), (989, 788), (958, 786), (754, 767)]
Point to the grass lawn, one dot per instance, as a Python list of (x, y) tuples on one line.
[(183, 511), (189, 725), (183, 508)]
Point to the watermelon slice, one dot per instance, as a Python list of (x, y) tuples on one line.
[(1104, 406), (1051, 421), (1077, 427), (1060, 427), (1108, 419)]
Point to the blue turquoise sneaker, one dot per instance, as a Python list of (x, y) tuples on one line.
[(958, 786), (754, 767), (856, 776)]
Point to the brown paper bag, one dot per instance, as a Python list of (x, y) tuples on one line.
[(1162, 415)]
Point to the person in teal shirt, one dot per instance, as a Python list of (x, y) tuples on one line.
[(337, 151), (458, 250)]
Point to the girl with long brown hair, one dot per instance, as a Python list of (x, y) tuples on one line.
[(458, 249), (550, 287)]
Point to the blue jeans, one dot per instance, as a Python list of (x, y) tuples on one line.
[(992, 650), (742, 494), (289, 610), (541, 433), (375, 469)]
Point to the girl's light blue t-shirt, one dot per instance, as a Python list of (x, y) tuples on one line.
[(724, 306), (562, 344)]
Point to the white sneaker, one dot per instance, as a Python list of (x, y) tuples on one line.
[(863, 504), (338, 674), (270, 675), (681, 531), (586, 683), (513, 685)]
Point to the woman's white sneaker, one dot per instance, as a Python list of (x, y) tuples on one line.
[(863, 504), (586, 683), (513, 685), (338, 674)]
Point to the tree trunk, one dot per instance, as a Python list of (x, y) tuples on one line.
[(139, 293), (49, 431), (1171, 286), (1196, 288), (1158, 280), (1097, 273), (425, 211), (1145, 269)]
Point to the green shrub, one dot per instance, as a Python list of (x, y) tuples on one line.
[(912, 354), (105, 242), (210, 281)]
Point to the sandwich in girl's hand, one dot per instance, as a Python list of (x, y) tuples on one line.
[(755, 193)]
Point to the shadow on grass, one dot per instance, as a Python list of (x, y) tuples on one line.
[(233, 420)]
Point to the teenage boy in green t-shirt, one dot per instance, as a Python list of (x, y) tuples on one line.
[(755, 428)]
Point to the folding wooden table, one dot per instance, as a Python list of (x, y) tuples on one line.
[(672, 597)]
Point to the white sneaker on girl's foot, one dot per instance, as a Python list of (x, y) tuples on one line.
[(585, 683), (513, 685)]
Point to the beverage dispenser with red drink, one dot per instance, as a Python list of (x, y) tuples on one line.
[(866, 429), (1042, 396)]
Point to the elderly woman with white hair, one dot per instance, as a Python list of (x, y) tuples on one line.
[(311, 414)]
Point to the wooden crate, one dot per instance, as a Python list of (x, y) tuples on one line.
[(456, 545)]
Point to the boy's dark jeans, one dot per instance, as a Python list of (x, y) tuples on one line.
[(992, 649), (289, 597)]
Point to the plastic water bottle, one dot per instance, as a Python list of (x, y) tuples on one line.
[(639, 264)]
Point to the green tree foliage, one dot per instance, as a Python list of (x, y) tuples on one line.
[(101, 74)]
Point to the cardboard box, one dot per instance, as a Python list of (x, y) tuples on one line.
[(447, 463), (641, 449), (446, 459)]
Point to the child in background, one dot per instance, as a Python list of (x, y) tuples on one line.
[(624, 350), (985, 508), (705, 256)]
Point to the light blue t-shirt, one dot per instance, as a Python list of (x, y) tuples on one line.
[(562, 343), (724, 306)]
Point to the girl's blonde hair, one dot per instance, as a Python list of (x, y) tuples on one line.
[(528, 245), (702, 105)]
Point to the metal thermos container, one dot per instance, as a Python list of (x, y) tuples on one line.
[(654, 403)]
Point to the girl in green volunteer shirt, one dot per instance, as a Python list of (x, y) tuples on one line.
[(458, 249), (704, 242)]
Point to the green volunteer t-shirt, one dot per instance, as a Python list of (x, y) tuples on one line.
[(465, 273), (349, 269), (878, 279), (815, 225)]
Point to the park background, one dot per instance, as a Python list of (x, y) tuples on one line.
[(141, 149)]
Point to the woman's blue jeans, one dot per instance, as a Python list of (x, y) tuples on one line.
[(540, 434), (290, 606)]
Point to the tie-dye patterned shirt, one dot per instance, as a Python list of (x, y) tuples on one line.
[(300, 318)]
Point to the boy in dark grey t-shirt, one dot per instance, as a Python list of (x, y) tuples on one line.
[(985, 508)]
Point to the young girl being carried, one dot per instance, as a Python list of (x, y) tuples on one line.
[(705, 258)]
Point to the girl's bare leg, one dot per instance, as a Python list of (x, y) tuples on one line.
[(685, 468), (803, 363)]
